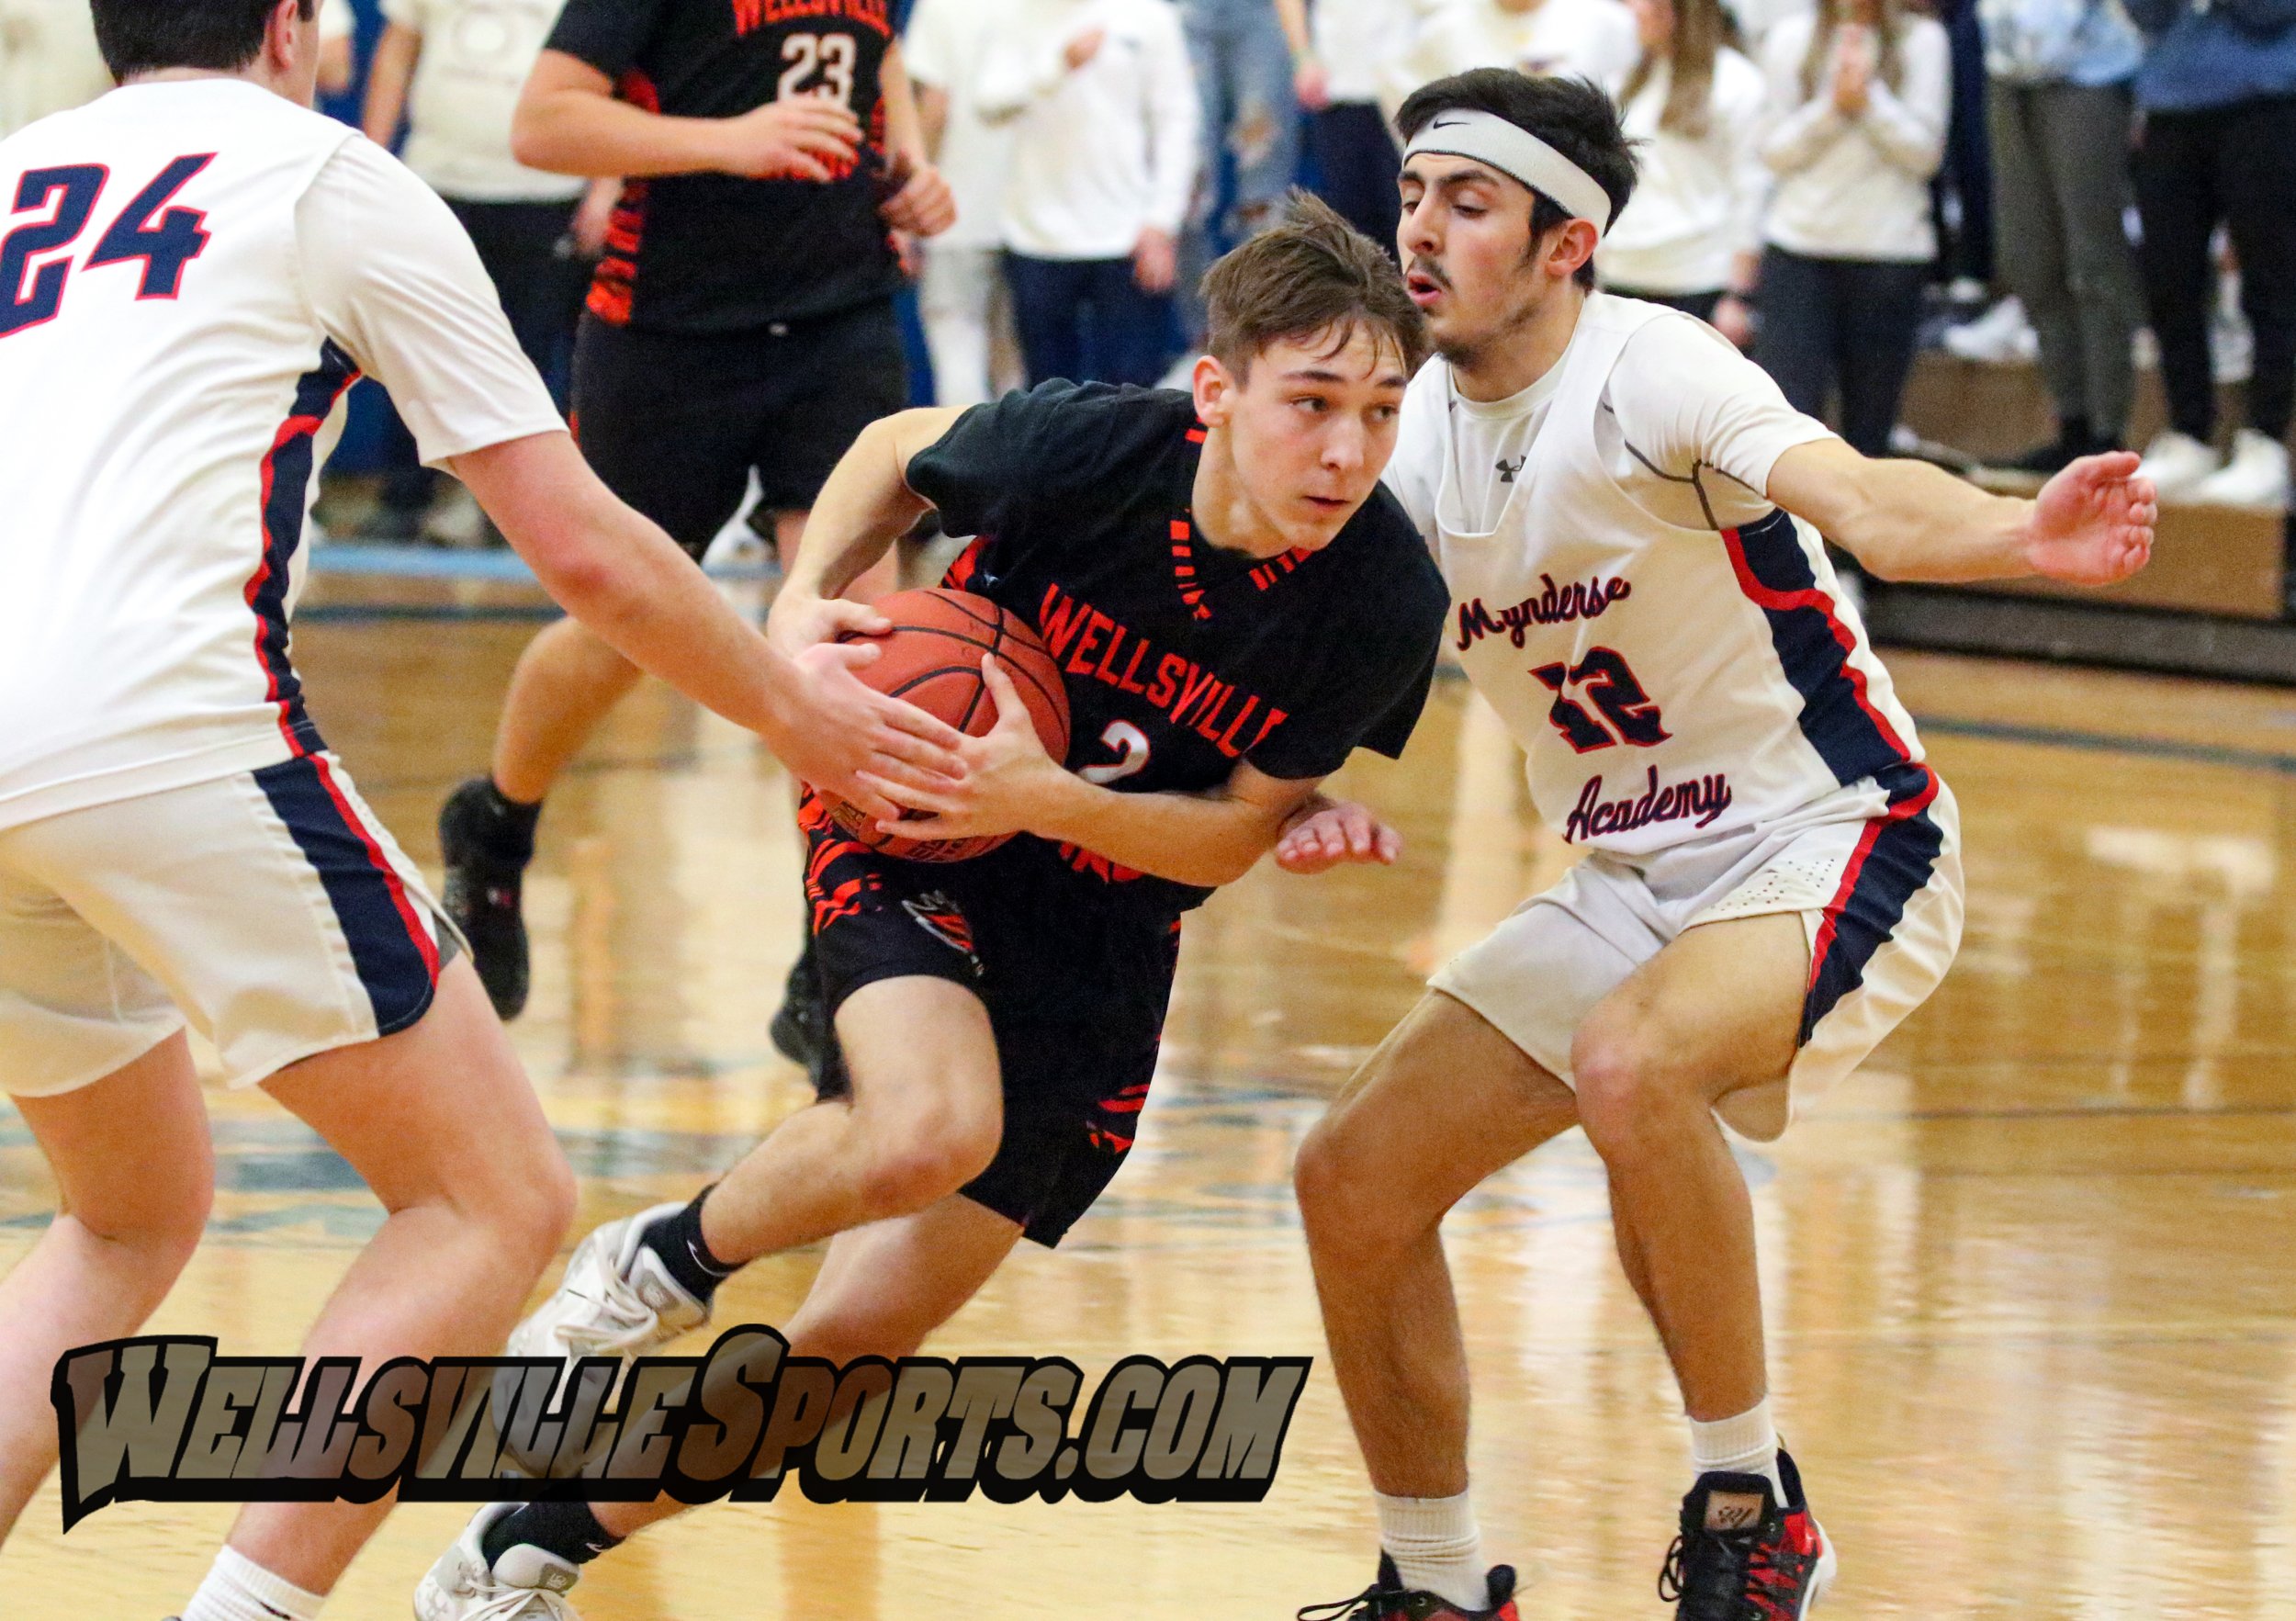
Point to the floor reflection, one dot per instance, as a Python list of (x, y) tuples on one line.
[(2028, 1275)]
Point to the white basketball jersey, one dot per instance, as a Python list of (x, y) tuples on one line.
[(1666, 684), (164, 386)]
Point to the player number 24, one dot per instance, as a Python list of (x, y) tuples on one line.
[(1603, 680), (164, 244)]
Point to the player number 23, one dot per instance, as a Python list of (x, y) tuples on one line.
[(1603, 678), (68, 195), (820, 64)]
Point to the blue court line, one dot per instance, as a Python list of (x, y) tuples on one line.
[(498, 565), (2262, 760)]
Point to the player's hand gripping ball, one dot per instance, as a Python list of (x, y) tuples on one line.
[(933, 658)]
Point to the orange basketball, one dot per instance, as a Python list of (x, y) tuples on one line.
[(933, 658)]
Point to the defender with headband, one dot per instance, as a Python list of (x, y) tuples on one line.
[(1627, 514), (1520, 155)]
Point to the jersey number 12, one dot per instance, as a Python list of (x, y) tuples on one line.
[(164, 245), (1603, 680)]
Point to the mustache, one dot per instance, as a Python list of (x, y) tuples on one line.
[(1426, 268)]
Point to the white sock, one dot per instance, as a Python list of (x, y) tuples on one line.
[(237, 1589), (1437, 1546), (1747, 1445)]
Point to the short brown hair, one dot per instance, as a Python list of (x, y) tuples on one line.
[(1310, 273), (218, 36)]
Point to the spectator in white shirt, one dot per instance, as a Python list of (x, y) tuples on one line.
[(1690, 236), (1102, 106), (1859, 97), (1592, 39), (1338, 57), (960, 293), (453, 69), (49, 63)]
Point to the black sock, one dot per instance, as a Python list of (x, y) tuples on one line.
[(677, 1239), (569, 1530), (507, 827), (2074, 431)]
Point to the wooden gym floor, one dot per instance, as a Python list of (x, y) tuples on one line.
[(2031, 1274)]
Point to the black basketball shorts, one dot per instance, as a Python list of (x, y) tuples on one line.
[(1074, 1084), (675, 422)]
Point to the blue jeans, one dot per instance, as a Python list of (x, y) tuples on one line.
[(1087, 321), (1251, 144)]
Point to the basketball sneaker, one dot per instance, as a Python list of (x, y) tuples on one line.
[(1389, 1599), (481, 894), (527, 1583), (800, 1026), (1742, 1555), (616, 1300)]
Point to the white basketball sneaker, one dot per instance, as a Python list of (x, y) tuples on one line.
[(2176, 463), (2001, 336), (616, 1300), (2255, 475), (529, 1584)]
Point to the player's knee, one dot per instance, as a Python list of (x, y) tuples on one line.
[(167, 1233), (1336, 1178), (157, 1232), (933, 1159), (529, 1204), (1626, 1091), (1320, 1175)]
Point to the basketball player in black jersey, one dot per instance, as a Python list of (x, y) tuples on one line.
[(1237, 607), (741, 320)]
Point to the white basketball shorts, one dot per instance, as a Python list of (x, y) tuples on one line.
[(1880, 899), (270, 910)]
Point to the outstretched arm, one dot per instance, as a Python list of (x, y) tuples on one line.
[(618, 573), (2092, 525)]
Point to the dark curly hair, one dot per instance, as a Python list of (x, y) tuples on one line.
[(1570, 115)]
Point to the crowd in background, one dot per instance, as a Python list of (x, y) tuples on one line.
[(1820, 178)]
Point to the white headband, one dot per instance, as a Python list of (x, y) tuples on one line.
[(1516, 152)]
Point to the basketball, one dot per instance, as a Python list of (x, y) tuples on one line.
[(933, 658)]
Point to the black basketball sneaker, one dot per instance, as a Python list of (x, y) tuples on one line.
[(482, 892), (800, 1030), (1389, 1599), (1742, 1555)]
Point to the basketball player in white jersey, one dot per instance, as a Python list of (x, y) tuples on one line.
[(1627, 514), (192, 270)]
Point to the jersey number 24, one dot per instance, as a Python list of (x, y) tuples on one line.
[(164, 244)]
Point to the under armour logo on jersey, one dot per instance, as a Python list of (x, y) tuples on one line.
[(1508, 469)]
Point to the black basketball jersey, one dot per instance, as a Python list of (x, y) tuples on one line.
[(716, 253), (1180, 659)]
